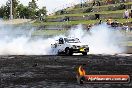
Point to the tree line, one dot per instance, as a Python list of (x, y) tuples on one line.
[(20, 11)]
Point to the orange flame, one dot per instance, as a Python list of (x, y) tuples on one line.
[(81, 71)]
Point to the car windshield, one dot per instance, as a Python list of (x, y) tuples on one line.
[(72, 40)]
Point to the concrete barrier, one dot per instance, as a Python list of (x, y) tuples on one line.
[(111, 15), (58, 19)]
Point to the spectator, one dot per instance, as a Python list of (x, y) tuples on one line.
[(126, 14), (130, 14), (88, 27), (66, 18), (61, 12), (109, 21), (94, 3), (98, 3), (115, 24), (126, 28), (100, 22), (122, 1), (109, 1), (97, 16), (131, 28)]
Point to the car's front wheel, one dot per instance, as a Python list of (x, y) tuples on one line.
[(84, 53), (68, 51)]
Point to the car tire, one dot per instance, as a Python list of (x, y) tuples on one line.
[(68, 51), (58, 53), (84, 53)]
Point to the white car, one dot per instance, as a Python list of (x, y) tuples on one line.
[(70, 46)]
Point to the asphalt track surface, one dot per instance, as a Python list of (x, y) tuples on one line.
[(60, 71)]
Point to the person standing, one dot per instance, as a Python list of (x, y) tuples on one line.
[(126, 14), (130, 14)]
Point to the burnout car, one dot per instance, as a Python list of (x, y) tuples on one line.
[(69, 46)]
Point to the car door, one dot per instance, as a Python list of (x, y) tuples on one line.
[(61, 45)]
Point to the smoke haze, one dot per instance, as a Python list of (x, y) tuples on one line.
[(101, 39), (18, 40)]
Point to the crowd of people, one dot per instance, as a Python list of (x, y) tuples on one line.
[(114, 24)]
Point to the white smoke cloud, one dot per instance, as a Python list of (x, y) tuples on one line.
[(18, 40), (101, 39)]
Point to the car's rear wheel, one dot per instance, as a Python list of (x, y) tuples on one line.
[(68, 51), (58, 53), (84, 53)]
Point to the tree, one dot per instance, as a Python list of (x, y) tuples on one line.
[(41, 13), (20, 11), (32, 8), (4, 12), (33, 5), (14, 7)]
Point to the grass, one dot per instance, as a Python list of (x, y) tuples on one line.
[(81, 14), (79, 22), (124, 20), (49, 32), (84, 14), (66, 23), (76, 9), (127, 43)]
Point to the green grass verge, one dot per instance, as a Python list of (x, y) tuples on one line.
[(81, 14), (66, 23), (102, 6), (76, 9), (79, 22), (49, 32), (129, 43)]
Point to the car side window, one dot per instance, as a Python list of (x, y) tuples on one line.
[(61, 41)]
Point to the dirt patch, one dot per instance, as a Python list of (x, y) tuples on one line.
[(60, 71), (17, 21)]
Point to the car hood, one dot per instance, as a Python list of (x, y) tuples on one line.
[(77, 44)]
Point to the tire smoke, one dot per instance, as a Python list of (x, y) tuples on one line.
[(19, 40), (102, 39)]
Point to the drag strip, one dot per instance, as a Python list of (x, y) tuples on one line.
[(25, 70)]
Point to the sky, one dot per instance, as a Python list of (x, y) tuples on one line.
[(51, 5)]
